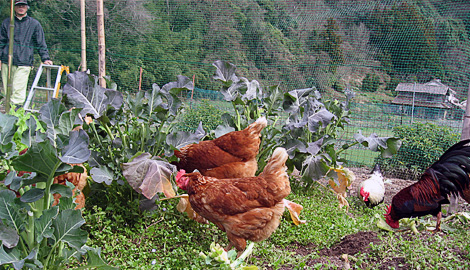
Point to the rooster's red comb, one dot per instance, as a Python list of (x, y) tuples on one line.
[(389, 209)]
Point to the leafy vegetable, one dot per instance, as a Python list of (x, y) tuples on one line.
[(149, 176), (35, 234)]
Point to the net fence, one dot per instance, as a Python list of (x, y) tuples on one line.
[(375, 48)]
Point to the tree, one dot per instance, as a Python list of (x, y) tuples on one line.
[(332, 44), (409, 37)]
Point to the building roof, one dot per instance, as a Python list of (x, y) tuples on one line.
[(420, 103), (432, 87)]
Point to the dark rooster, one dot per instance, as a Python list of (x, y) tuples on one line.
[(232, 155), (449, 175)]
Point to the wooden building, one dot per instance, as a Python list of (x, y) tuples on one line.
[(429, 100)]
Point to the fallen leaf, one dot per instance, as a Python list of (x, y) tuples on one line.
[(294, 210)]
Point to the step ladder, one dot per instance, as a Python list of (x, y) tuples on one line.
[(42, 90)]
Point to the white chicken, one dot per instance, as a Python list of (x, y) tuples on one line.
[(372, 190)]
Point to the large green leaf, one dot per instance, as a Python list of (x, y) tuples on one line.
[(323, 117), (154, 97), (76, 152), (225, 71), (11, 210), (95, 261), (67, 121), (315, 168), (67, 228), (388, 146), (7, 128), (32, 195), (171, 90), (50, 114), (179, 139), (40, 157), (63, 190), (273, 100), (83, 93), (102, 174), (294, 145), (43, 225), (66, 203), (13, 256), (295, 100), (27, 137), (9, 236), (149, 176)]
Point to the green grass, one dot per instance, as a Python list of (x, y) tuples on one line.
[(171, 241)]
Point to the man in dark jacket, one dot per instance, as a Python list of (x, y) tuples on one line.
[(28, 36)]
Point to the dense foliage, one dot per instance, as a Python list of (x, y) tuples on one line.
[(370, 83), (423, 144), (37, 234)]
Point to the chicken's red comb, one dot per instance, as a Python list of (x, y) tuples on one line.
[(389, 209), (180, 174)]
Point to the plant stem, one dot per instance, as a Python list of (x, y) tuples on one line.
[(124, 138), (341, 150), (108, 130), (47, 191), (159, 132), (142, 138), (30, 230), (93, 127)]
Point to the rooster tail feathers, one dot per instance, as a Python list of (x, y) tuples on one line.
[(461, 148), (276, 165), (258, 125)]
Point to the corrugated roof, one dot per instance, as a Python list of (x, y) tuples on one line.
[(432, 87)]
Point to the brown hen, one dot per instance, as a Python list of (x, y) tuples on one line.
[(246, 208), (232, 155)]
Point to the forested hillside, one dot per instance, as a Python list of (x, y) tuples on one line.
[(329, 44)]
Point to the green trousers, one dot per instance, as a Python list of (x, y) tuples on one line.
[(20, 76)]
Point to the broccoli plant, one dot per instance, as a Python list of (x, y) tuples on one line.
[(36, 234), (120, 130), (299, 120)]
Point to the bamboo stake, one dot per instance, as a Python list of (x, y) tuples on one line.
[(83, 34), (101, 43), (10, 56)]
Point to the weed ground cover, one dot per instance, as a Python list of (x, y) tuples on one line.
[(166, 239)]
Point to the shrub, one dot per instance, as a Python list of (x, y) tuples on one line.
[(422, 145), (371, 83), (204, 112)]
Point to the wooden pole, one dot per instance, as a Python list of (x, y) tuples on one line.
[(83, 32), (101, 43), (10, 56), (466, 119)]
